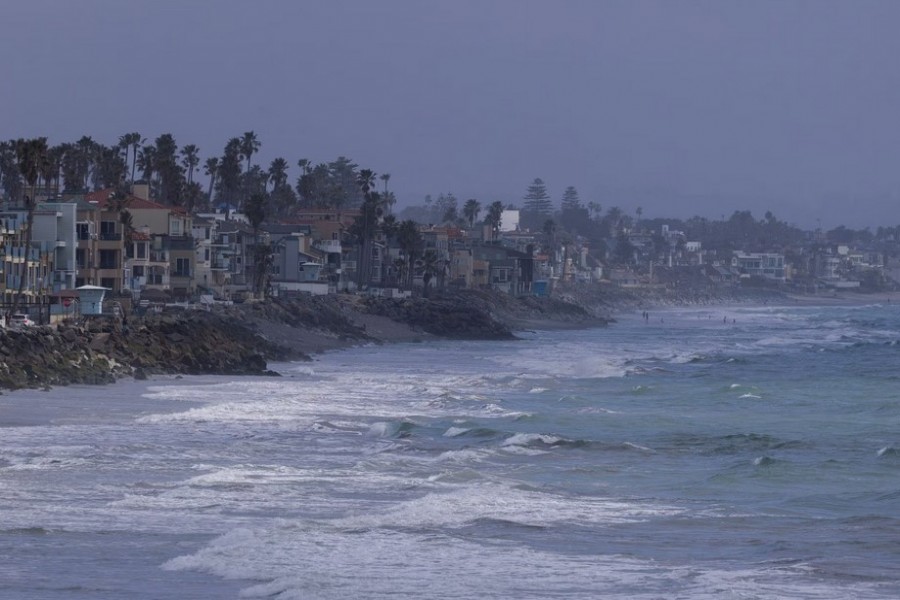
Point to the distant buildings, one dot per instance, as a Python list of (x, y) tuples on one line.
[(142, 251)]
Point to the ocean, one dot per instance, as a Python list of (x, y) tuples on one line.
[(736, 452)]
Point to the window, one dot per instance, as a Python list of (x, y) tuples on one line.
[(109, 259), (182, 267), (137, 271), (142, 250), (175, 226), (83, 230), (108, 282), (108, 230)]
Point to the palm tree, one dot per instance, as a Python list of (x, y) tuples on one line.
[(127, 221), (211, 168), (50, 168), (30, 158), (400, 265), (282, 198), (278, 173), (614, 217), (256, 180), (229, 176), (86, 149), (133, 142), (249, 145), (168, 171), (471, 209), (371, 211), (147, 162), (190, 159), (55, 158), (389, 226), (255, 211), (389, 201), (385, 177), (9, 170), (494, 216), (430, 267), (410, 241), (110, 169), (366, 180)]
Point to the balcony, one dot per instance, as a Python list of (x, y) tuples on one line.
[(184, 243), (329, 246), (110, 237)]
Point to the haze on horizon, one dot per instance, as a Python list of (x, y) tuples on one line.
[(682, 108)]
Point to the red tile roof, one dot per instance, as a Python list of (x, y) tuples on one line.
[(102, 200)]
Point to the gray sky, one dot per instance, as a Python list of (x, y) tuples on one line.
[(682, 108)]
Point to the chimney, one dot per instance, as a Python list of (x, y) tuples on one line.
[(141, 190)]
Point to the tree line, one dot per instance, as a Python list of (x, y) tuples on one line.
[(171, 172)]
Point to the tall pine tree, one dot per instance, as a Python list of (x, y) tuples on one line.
[(570, 200), (537, 199)]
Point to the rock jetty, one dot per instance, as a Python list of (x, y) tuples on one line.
[(242, 339), (188, 342)]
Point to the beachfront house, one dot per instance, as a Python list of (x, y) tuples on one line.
[(769, 265)]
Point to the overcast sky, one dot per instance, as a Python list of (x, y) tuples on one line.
[(681, 108)]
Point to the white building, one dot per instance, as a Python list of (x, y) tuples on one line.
[(763, 264)]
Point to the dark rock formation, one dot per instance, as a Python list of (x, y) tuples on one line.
[(103, 350), (231, 341), (451, 316)]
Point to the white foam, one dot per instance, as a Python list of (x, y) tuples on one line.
[(524, 451), (466, 455), (523, 439), (401, 553), (593, 410), (456, 431), (639, 447)]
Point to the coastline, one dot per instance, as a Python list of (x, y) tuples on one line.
[(846, 298), (243, 339)]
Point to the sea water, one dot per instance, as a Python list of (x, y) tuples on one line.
[(736, 452)]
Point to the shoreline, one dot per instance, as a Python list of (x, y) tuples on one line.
[(242, 340)]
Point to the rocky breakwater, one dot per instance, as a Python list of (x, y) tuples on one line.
[(102, 351), (480, 315), (447, 316)]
